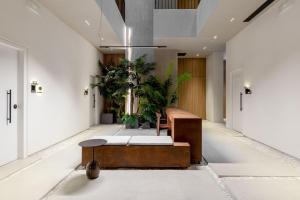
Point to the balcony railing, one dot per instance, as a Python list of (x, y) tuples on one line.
[(164, 4), (121, 6), (176, 4)]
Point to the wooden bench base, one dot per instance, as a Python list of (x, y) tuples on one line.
[(187, 127), (134, 156)]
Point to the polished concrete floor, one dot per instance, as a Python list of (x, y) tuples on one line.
[(141, 185), (238, 168)]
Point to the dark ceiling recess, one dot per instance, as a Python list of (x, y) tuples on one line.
[(121, 6), (132, 46), (181, 54), (259, 10)]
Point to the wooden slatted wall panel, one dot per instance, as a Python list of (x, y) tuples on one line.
[(113, 59), (192, 93), (187, 4)]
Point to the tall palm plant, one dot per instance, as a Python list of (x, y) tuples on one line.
[(138, 72), (156, 94), (113, 86), (117, 80)]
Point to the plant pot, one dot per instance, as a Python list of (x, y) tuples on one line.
[(152, 125), (145, 125), (119, 121), (107, 118), (129, 126)]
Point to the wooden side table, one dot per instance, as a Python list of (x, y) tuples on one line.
[(92, 167)]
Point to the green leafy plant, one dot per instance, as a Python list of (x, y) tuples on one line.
[(130, 120), (156, 94), (153, 94), (117, 80), (139, 71), (113, 85)]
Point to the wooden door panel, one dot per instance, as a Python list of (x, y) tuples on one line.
[(187, 4), (192, 93)]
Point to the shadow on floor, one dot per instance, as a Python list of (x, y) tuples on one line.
[(78, 184)]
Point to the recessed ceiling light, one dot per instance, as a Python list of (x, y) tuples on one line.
[(285, 6), (216, 37), (232, 19), (87, 22), (33, 6), (197, 55), (204, 48)]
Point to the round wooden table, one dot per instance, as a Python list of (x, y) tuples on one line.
[(92, 167)]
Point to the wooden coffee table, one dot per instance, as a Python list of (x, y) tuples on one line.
[(92, 167)]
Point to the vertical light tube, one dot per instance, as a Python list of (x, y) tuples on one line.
[(129, 50), (129, 57)]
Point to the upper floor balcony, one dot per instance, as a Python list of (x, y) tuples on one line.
[(164, 4), (176, 4)]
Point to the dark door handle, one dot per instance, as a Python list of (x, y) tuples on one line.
[(15, 106), (8, 111), (241, 101), (94, 101)]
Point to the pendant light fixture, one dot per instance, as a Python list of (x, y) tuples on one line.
[(133, 46)]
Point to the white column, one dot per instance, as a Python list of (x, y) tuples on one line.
[(139, 25), (139, 20), (215, 87)]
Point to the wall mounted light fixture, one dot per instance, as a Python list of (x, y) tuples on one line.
[(36, 87), (248, 90), (86, 92)]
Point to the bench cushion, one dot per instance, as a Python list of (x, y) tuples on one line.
[(114, 140), (151, 140)]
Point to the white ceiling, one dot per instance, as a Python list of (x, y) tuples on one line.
[(218, 24), (75, 12)]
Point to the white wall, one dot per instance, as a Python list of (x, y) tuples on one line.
[(204, 10), (113, 15), (183, 22), (214, 87), (62, 61), (174, 23), (164, 57), (268, 51)]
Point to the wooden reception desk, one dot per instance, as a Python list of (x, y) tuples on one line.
[(186, 127)]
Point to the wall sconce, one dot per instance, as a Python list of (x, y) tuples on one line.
[(36, 87), (248, 90), (86, 92)]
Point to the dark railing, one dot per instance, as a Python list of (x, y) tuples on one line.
[(176, 4), (121, 6)]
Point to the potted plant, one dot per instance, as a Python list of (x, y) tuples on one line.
[(130, 121), (138, 72), (113, 86), (156, 94)]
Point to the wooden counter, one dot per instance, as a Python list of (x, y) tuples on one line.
[(186, 127)]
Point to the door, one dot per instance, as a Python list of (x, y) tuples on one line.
[(8, 103), (237, 100)]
